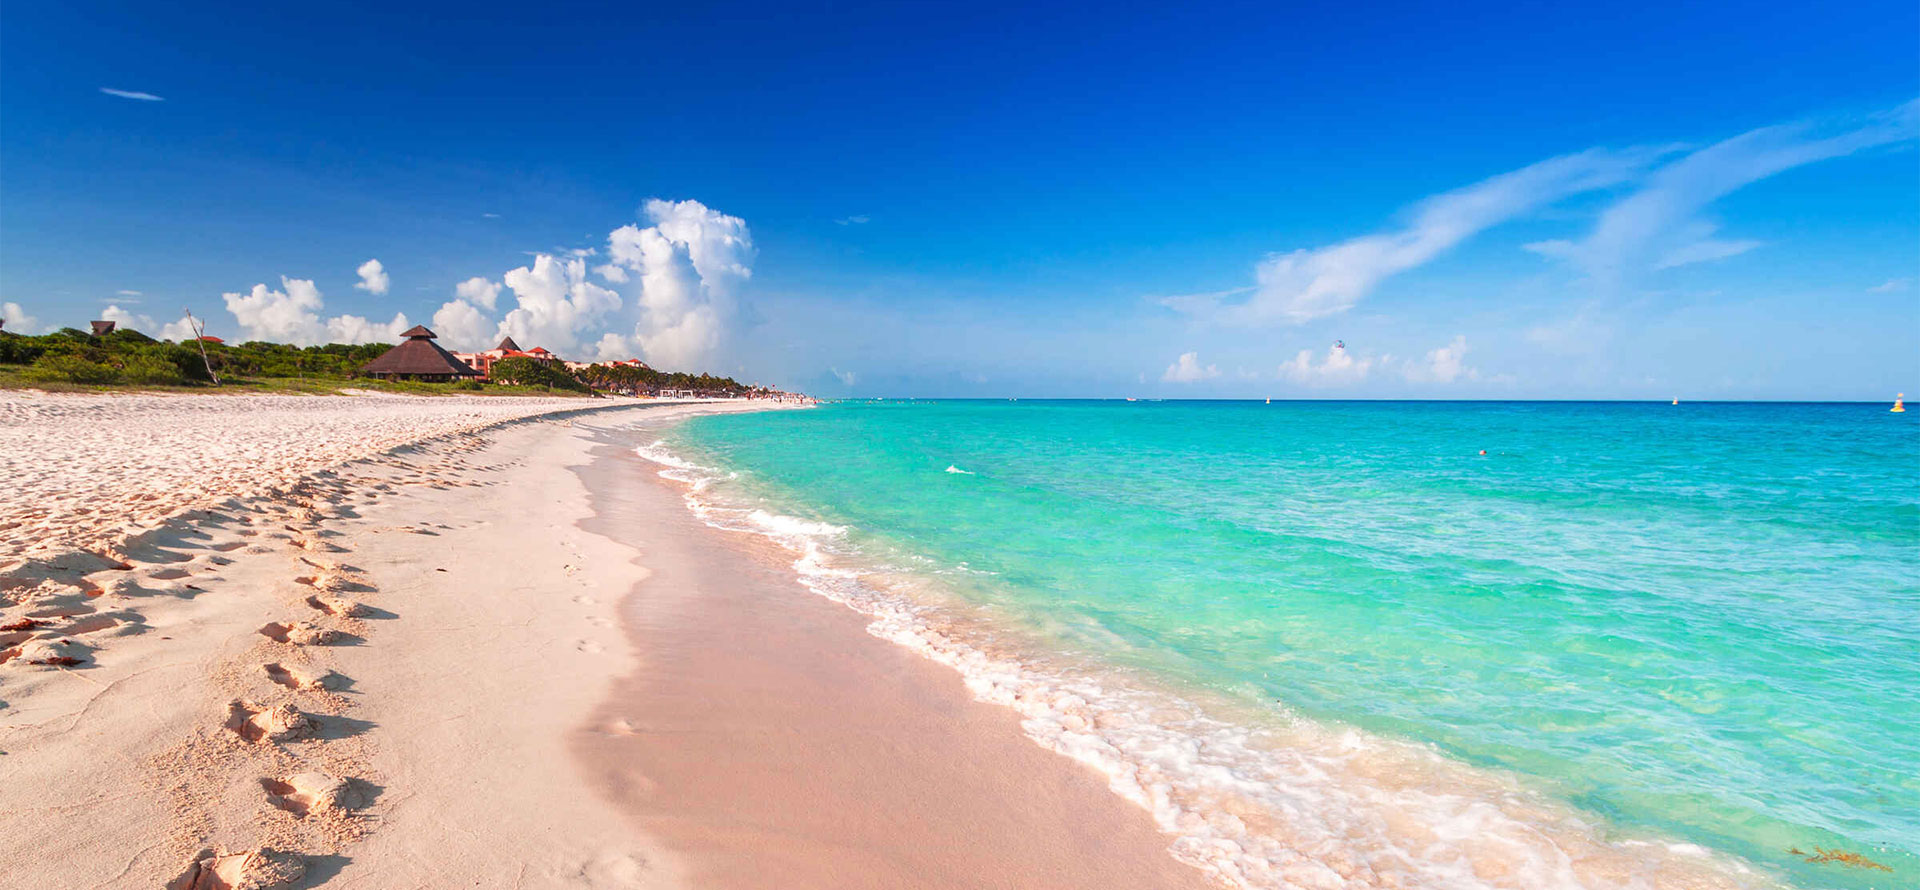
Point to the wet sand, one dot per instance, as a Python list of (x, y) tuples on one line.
[(769, 741)]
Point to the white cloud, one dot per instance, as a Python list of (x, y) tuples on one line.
[(1308, 284), (478, 291), (612, 347), (690, 266), (373, 278), (1891, 285), (1656, 227), (459, 322), (292, 316), (1337, 367), (1187, 369), (847, 378), (282, 316), (463, 328), (354, 329), (855, 220), (555, 304), (18, 321), (128, 293), (177, 331), (1443, 365), (490, 215), (132, 94)]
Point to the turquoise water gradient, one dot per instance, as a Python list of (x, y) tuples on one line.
[(1698, 621)]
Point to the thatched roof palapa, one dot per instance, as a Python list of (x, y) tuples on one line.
[(507, 345), (418, 356)]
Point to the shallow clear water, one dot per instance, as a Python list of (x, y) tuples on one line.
[(1697, 623)]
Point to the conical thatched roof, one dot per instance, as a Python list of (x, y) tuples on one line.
[(507, 344), (418, 356)]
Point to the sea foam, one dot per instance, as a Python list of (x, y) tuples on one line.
[(1259, 800)]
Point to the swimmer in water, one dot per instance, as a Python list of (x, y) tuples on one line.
[(1483, 452)]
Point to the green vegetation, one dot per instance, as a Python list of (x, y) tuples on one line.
[(624, 378), (73, 359), (528, 372)]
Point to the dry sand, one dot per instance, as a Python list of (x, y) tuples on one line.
[(378, 642)]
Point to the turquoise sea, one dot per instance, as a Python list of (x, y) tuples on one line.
[(1332, 644)]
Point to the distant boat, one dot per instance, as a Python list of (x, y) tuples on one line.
[(1269, 401), (1676, 401), (1899, 404), (1132, 399)]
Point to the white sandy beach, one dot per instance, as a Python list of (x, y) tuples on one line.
[(409, 642)]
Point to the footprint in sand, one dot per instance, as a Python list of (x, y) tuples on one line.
[(338, 606), (256, 869), (280, 723), (588, 646), (301, 677), (314, 792), (301, 633)]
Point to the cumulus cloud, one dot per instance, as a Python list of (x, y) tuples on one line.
[(478, 291), (292, 315), (1338, 366), (354, 329), (373, 278), (1187, 369), (1444, 365), (132, 94), (556, 306), (612, 347), (1307, 284), (462, 327), (1657, 225), (461, 324), (18, 321), (684, 273), (177, 331)]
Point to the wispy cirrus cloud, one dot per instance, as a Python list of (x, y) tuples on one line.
[(132, 94), (1313, 283), (858, 219), (1659, 225), (1891, 285)]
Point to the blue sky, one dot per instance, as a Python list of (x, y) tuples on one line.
[(1709, 201)]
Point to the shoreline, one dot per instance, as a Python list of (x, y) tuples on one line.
[(772, 741), (410, 668), (1253, 797)]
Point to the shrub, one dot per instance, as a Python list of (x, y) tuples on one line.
[(527, 372), (74, 369), (469, 386), (18, 350), (151, 370)]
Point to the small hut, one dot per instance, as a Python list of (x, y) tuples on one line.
[(418, 358), (103, 328)]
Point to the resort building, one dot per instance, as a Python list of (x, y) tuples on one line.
[(483, 361), (418, 358)]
